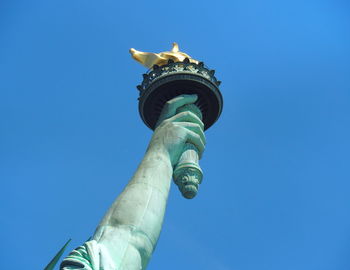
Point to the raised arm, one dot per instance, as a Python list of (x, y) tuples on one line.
[(128, 233)]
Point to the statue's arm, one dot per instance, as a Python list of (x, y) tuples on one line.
[(130, 229)]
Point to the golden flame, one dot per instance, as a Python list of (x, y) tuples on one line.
[(149, 59)]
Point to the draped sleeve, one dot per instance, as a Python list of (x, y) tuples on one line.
[(85, 257), (90, 256)]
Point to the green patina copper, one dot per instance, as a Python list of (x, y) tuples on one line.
[(127, 235), (178, 100), (187, 172), (55, 259)]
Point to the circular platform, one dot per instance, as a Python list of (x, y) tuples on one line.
[(163, 83)]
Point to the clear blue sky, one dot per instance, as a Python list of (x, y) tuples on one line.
[(276, 188)]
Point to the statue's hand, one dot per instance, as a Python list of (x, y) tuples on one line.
[(174, 130)]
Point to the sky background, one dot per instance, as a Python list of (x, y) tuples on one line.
[(275, 193)]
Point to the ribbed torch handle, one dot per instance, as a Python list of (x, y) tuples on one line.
[(187, 173)]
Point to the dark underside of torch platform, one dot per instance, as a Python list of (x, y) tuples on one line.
[(166, 82)]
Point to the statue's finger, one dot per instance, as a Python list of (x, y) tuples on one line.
[(187, 117), (196, 140), (195, 128), (172, 105)]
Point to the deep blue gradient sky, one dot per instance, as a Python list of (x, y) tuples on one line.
[(276, 188)]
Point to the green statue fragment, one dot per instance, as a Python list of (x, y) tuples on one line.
[(55, 259), (128, 233), (179, 99)]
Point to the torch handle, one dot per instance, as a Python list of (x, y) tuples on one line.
[(187, 174)]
